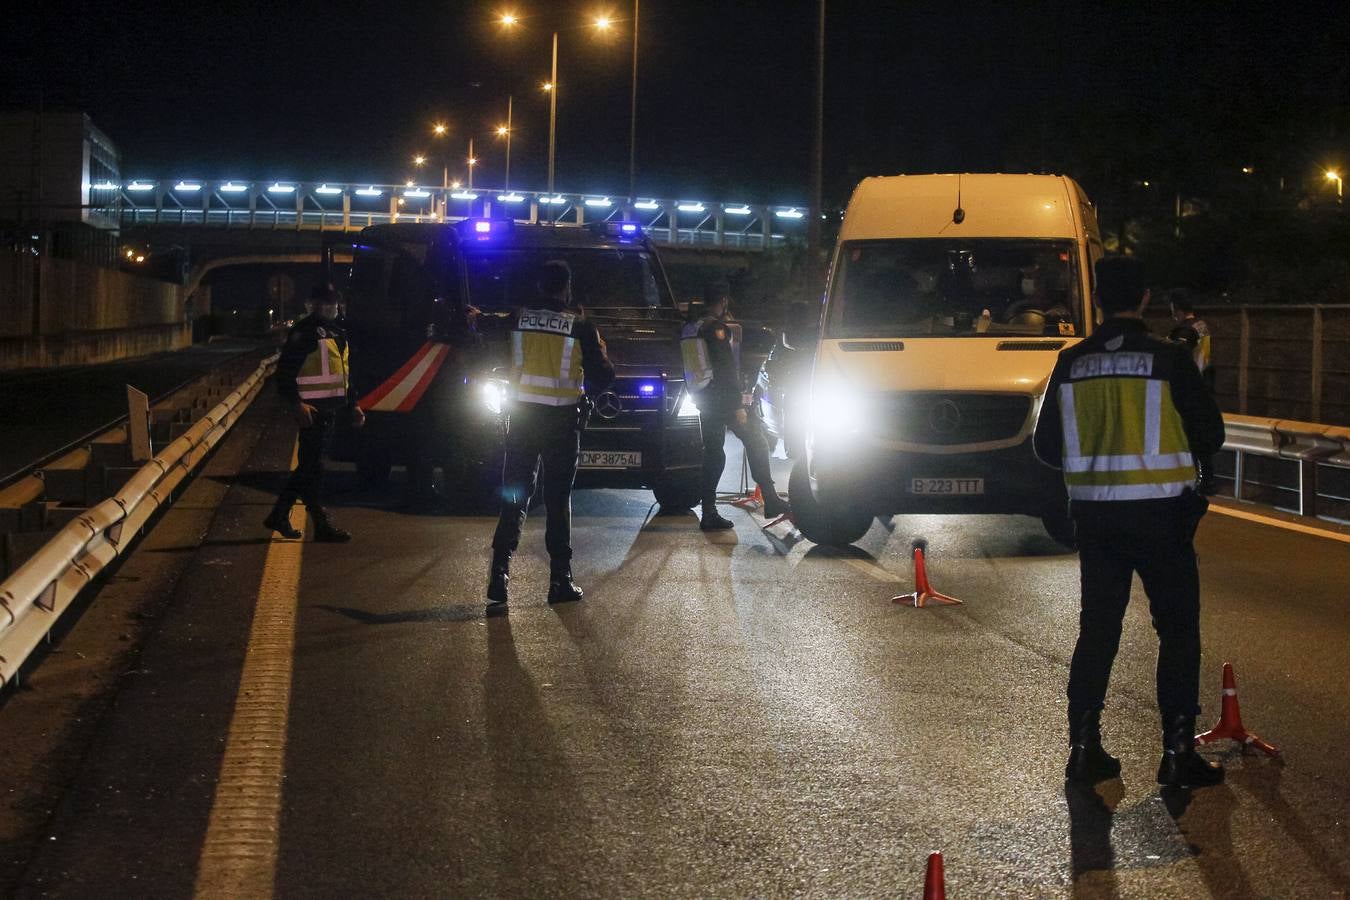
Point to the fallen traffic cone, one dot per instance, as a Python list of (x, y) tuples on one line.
[(754, 500), (923, 591), (934, 883), (1230, 721)]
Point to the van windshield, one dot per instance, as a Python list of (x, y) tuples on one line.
[(601, 278), (919, 287)]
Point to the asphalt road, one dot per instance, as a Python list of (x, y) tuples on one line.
[(732, 715), (43, 410)]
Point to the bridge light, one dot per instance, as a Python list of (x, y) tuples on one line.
[(553, 200), (141, 186), (464, 195), (789, 213), (417, 193), (509, 198), (325, 189), (646, 204), (742, 210), (103, 186), (281, 189), (371, 191), (230, 187), (598, 201), (690, 207), (187, 187)]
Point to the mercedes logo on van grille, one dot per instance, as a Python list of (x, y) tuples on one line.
[(944, 417), (608, 405)]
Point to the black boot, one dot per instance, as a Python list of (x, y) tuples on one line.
[(279, 519), (712, 520), (1089, 762), (1181, 766), (560, 586), (499, 583), (774, 505), (324, 529)]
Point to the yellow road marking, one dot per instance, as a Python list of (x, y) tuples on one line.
[(239, 856), (1279, 523)]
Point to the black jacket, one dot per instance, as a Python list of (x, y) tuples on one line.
[(301, 341), (723, 393), (596, 368), (1200, 415)]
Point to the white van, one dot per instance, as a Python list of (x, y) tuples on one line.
[(949, 299)]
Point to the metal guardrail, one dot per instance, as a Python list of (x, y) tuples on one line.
[(33, 598), (1310, 461)]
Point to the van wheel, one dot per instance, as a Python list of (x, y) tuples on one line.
[(1060, 527), (679, 491), (819, 522)]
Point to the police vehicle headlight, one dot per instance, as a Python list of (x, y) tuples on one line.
[(687, 407), (493, 395)]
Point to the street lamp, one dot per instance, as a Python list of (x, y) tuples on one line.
[(1335, 176), (504, 131)]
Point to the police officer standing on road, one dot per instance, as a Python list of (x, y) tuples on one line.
[(1192, 331), (1129, 421), (710, 347), (557, 356), (313, 379)]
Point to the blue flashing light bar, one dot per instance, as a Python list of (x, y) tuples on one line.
[(325, 189), (485, 229), (624, 231), (646, 389)]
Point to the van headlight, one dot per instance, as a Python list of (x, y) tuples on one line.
[(835, 410), (687, 406)]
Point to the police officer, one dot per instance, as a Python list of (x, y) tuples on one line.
[(557, 355), (1128, 420), (313, 379), (1193, 332), (710, 347)]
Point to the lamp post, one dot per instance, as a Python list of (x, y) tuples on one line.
[(473, 161), (440, 129), (1335, 176), (505, 131)]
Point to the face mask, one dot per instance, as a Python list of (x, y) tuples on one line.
[(1028, 287), (328, 311)]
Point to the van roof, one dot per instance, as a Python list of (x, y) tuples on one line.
[(920, 206)]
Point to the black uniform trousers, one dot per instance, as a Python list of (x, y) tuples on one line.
[(306, 482), (751, 435), (1115, 540), (535, 434)]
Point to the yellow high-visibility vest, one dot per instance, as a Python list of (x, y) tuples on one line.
[(1201, 353), (1123, 436), (698, 373), (546, 358), (325, 374)]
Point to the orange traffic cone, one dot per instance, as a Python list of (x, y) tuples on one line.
[(1230, 721), (923, 591), (754, 500), (934, 884)]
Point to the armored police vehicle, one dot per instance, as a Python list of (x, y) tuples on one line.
[(429, 310)]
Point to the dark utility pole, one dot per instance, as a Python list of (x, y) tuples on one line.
[(632, 114), (818, 142)]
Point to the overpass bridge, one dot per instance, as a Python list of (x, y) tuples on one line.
[(150, 204), (741, 714)]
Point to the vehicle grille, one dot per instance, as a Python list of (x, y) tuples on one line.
[(929, 419), (637, 410), (871, 346), (1030, 345)]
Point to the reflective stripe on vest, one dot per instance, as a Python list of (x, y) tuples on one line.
[(1123, 436), (1201, 353), (698, 371), (545, 359), (323, 375)]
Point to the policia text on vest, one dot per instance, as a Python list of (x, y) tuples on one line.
[(1129, 421), (557, 355)]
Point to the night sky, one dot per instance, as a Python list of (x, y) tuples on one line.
[(349, 91)]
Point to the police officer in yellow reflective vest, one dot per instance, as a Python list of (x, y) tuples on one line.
[(709, 348), (313, 380), (557, 356), (1128, 420), (1193, 332)]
